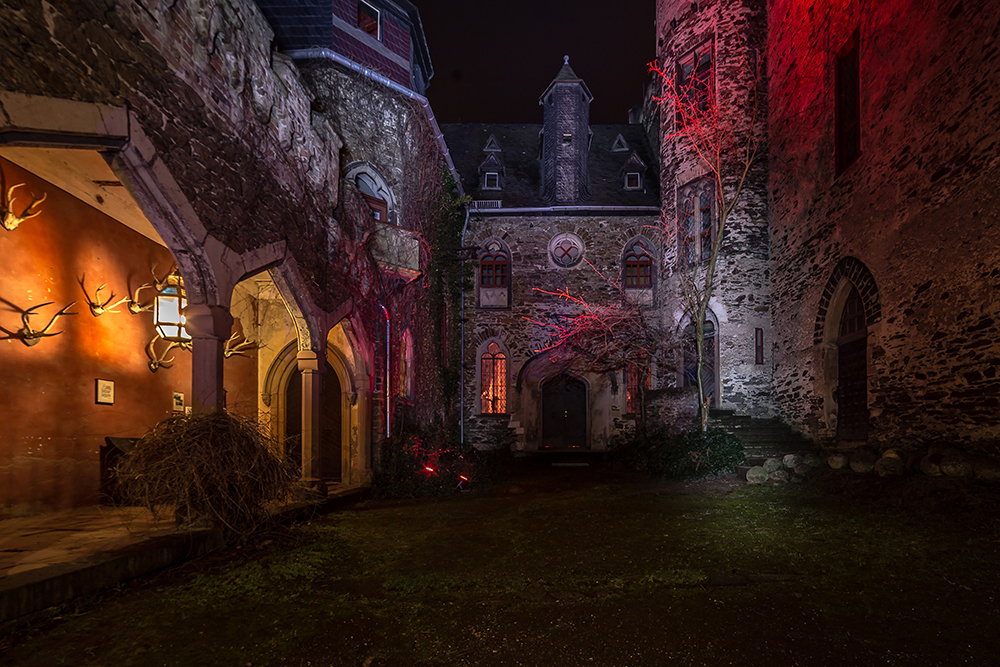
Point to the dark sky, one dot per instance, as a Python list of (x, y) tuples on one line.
[(492, 60)]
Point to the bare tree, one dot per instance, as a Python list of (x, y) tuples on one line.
[(726, 139)]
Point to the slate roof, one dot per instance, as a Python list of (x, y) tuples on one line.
[(522, 183), (567, 75)]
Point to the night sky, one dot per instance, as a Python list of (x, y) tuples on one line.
[(492, 60)]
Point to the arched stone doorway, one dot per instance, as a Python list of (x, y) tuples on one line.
[(331, 445), (564, 413), (852, 370), (709, 368)]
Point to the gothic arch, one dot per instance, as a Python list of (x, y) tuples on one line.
[(853, 270), (281, 373), (370, 181), (713, 357)]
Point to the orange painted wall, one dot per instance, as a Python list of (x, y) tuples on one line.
[(51, 429)]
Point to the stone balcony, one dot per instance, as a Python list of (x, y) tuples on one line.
[(397, 251)]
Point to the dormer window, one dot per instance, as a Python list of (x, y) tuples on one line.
[(369, 19), (633, 180), (567, 139), (491, 180)]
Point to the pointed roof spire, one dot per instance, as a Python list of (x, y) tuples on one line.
[(566, 75)]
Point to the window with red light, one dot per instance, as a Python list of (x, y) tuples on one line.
[(847, 90), (635, 376), (633, 181), (493, 380), (638, 267), (493, 269), (695, 74), (696, 222), (368, 19)]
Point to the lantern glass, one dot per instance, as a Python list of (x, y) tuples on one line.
[(168, 311)]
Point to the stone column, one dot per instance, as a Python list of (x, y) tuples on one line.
[(312, 366), (209, 327)]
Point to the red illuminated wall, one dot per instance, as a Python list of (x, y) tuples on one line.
[(51, 429), (920, 209)]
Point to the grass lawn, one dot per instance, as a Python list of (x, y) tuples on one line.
[(830, 572)]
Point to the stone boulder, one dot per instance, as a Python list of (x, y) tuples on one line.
[(771, 465), (779, 476), (956, 465), (813, 460), (837, 461), (930, 464), (862, 460), (889, 466), (987, 470), (791, 460), (757, 475)]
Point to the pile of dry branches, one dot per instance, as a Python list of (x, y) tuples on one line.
[(219, 467)]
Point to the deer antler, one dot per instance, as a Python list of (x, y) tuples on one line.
[(134, 306), (229, 349), (158, 284), (158, 361), (10, 219), (97, 308), (31, 337)]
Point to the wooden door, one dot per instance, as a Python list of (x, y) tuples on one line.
[(852, 371), (330, 445), (564, 413)]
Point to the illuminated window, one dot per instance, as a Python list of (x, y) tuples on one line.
[(848, 105), (491, 180), (375, 193), (696, 222), (694, 84), (638, 267), (493, 380), (635, 376), (369, 20), (633, 181)]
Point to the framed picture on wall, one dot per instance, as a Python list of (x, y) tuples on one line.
[(104, 392)]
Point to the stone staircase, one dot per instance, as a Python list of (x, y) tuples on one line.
[(762, 438)]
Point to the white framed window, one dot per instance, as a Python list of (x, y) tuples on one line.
[(370, 19), (633, 180), (491, 180)]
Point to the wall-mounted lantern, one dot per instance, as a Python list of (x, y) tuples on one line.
[(168, 310)]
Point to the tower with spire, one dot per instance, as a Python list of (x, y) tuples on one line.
[(566, 137)]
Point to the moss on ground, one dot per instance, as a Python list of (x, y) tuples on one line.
[(606, 575)]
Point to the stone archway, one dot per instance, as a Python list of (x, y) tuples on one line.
[(850, 305)]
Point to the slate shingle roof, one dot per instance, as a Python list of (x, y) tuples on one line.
[(522, 183)]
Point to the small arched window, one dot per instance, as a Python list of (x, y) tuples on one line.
[(638, 267), (374, 190), (493, 381), (494, 276)]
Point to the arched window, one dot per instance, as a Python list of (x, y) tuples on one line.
[(494, 276), (638, 266), (636, 376), (695, 222), (375, 191), (493, 381)]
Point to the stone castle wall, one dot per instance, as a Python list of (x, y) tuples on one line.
[(919, 209)]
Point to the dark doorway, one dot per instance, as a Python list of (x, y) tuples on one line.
[(564, 413), (329, 427), (852, 371), (329, 423), (708, 363)]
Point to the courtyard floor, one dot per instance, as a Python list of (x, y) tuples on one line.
[(574, 567)]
